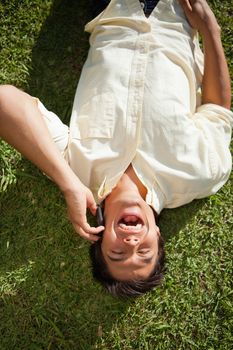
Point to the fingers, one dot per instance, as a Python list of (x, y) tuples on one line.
[(77, 204), (86, 231), (89, 233), (186, 5)]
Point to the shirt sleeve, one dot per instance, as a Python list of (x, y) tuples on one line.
[(215, 123), (58, 130)]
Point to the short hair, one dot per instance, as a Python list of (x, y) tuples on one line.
[(131, 288)]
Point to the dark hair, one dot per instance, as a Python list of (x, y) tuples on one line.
[(133, 288)]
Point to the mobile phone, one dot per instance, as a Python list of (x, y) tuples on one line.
[(99, 216)]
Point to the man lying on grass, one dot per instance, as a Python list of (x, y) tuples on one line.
[(150, 129)]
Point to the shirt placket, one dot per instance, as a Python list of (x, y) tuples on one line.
[(136, 92), (134, 108)]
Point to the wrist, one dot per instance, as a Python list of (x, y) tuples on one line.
[(66, 180), (211, 29), (70, 185)]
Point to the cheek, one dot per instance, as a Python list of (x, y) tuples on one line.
[(152, 240), (108, 239)]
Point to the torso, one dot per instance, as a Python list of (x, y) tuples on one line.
[(129, 108)]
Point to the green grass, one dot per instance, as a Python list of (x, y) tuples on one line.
[(48, 299)]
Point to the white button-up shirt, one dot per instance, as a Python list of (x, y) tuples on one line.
[(138, 102)]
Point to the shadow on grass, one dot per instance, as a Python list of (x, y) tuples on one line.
[(49, 297), (58, 56), (52, 301), (171, 221)]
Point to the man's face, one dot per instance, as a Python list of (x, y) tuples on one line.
[(130, 240)]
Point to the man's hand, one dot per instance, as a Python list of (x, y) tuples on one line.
[(216, 87), (19, 111), (78, 200), (199, 14)]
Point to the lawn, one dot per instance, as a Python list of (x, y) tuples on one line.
[(48, 299)]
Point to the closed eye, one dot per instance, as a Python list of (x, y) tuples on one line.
[(117, 259), (143, 251)]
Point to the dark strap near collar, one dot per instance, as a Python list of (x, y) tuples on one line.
[(148, 6), (98, 6)]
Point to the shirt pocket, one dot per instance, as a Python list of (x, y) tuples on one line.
[(95, 118)]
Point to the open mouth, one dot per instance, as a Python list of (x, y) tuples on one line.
[(130, 222)]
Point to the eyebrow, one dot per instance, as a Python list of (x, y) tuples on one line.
[(146, 260)]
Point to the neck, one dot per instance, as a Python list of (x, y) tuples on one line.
[(130, 181), (128, 185)]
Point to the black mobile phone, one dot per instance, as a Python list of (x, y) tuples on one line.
[(99, 216)]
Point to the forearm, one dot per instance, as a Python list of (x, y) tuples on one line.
[(22, 126), (216, 86)]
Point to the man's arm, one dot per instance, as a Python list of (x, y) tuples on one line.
[(22, 126), (216, 86)]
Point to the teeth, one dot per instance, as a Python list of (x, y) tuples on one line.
[(132, 228)]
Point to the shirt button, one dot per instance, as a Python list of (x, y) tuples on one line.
[(142, 49)]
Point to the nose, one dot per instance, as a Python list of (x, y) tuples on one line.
[(132, 241)]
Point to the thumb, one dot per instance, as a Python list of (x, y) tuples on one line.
[(91, 204)]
